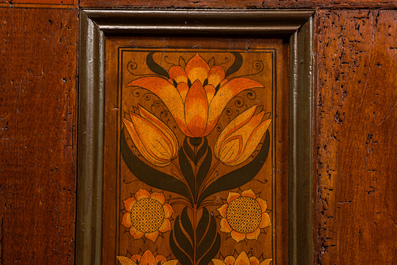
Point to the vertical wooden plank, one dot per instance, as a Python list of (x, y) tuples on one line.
[(37, 135), (356, 137)]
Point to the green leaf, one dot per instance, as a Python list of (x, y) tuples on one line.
[(201, 151), (186, 224), (202, 225), (182, 240), (179, 254), (155, 67), (204, 168), (238, 62), (208, 240), (149, 175), (187, 171), (212, 252), (239, 176), (188, 150)]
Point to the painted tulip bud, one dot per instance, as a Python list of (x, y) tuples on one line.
[(153, 139), (240, 137)]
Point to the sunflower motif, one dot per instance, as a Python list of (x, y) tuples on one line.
[(244, 215), (242, 259), (146, 259), (147, 214)]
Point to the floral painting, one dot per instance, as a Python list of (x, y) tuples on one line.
[(196, 144)]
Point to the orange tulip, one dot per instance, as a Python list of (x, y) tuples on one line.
[(154, 140), (196, 95), (240, 137)]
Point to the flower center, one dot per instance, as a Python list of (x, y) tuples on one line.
[(244, 215), (147, 215)]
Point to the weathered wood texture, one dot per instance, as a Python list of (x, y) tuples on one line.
[(356, 137), (38, 51), (241, 3)]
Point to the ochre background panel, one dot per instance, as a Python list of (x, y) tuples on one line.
[(355, 116), (356, 137), (38, 135)]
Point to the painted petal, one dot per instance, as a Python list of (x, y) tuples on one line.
[(142, 193), (126, 220), (148, 258), (222, 210), (234, 125), (170, 136), (168, 211), (252, 142), (226, 93), (158, 197), (183, 88), (166, 92), (248, 193), (197, 69), (125, 261), (140, 145), (152, 236), (216, 75), (171, 262), (178, 74), (136, 139), (242, 259), (196, 109), (255, 234), (266, 262), (254, 261), (156, 145), (129, 203), (136, 258), (225, 227), (210, 91), (232, 196), (230, 150), (262, 203), (237, 236), (160, 258), (135, 233), (246, 130), (165, 226), (229, 260), (265, 221), (218, 262)]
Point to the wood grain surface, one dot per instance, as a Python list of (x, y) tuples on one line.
[(356, 137), (37, 135), (355, 200), (249, 4)]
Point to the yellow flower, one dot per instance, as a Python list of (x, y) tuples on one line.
[(196, 95), (154, 140), (244, 215), (242, 259), (147, 214), (240, 137), (146, 259)]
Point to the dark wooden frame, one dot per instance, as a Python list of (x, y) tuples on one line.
[(95, 24)]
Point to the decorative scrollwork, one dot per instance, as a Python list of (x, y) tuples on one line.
[(239, 102), (132, 65), (251, 95)]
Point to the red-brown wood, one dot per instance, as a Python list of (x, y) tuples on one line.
[(38, 135), (356, 60), (351, 4), (356, 137)]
